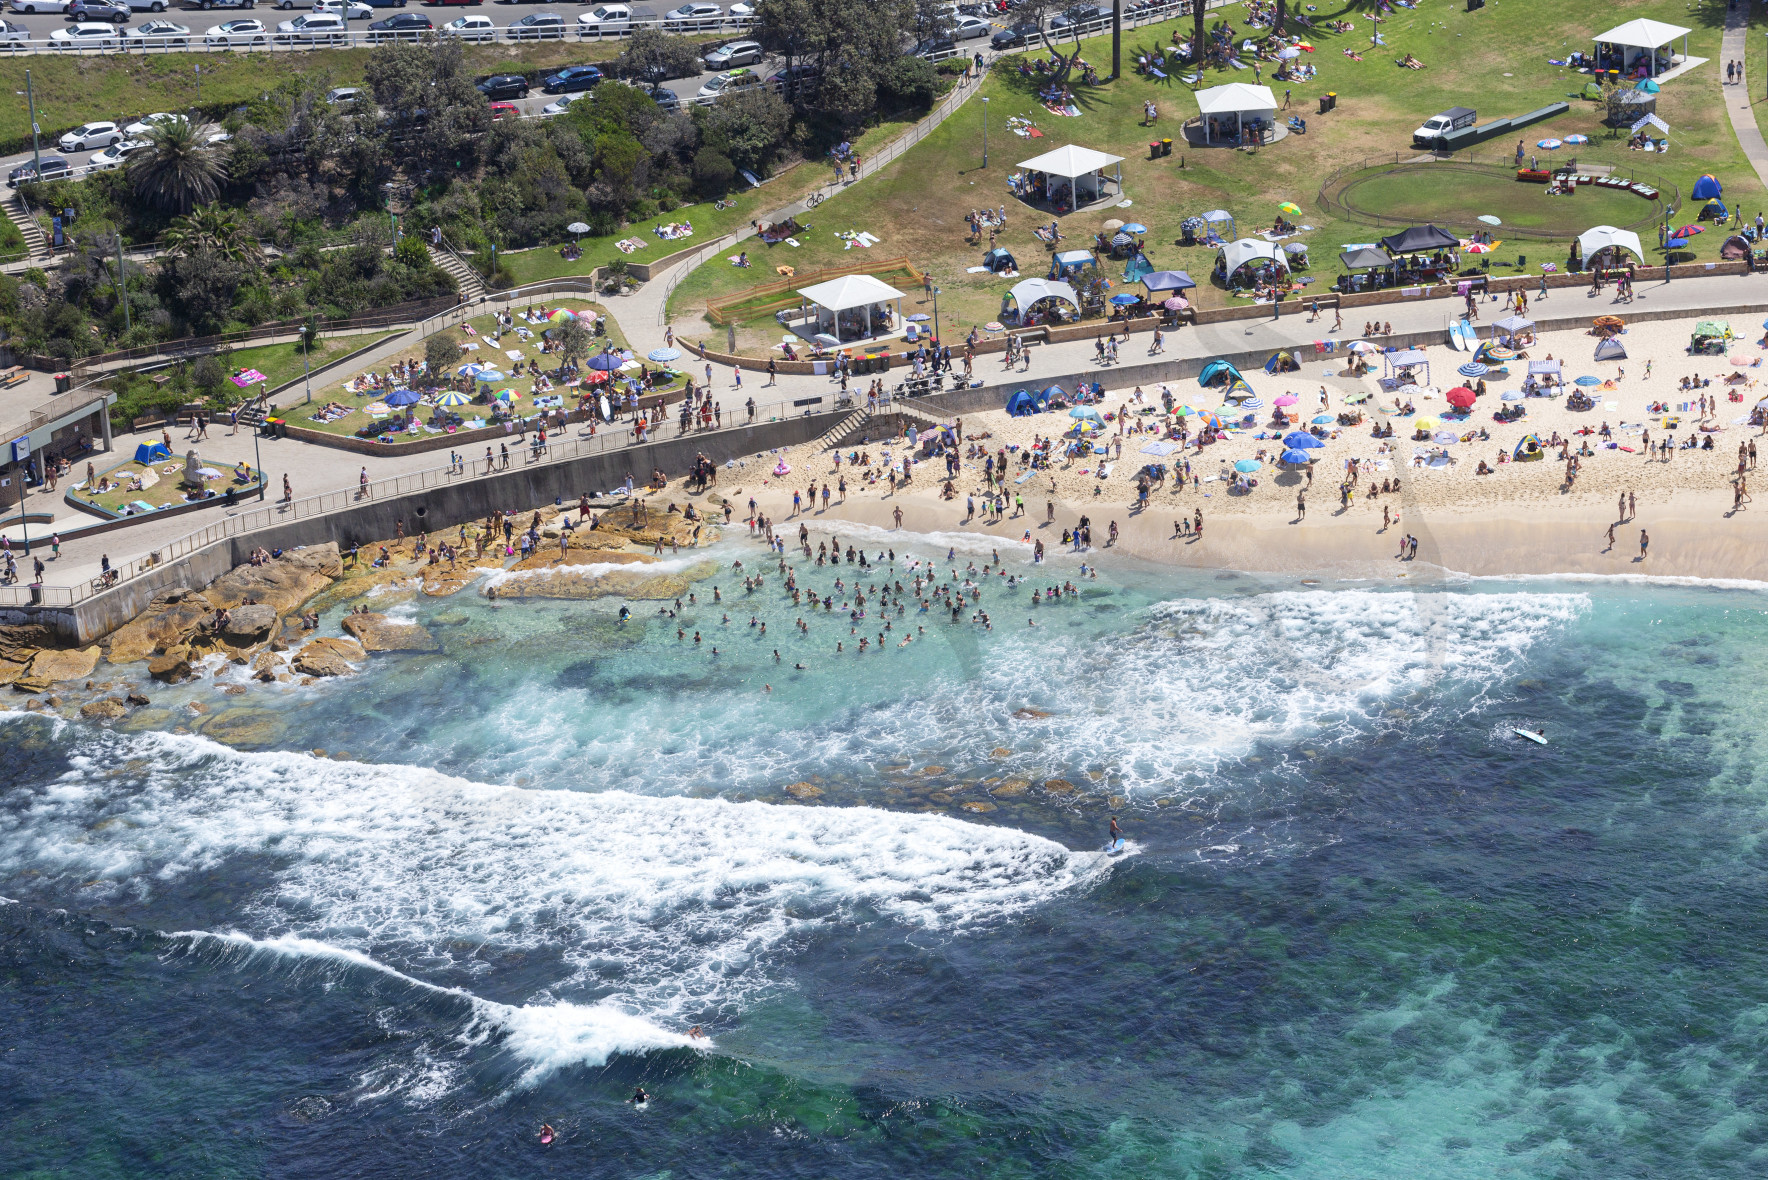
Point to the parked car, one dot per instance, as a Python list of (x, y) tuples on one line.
[(348, 9), (86, 36), (452, 3), (117, 12), (505, 110), (408, 26), (561, 104), (158, 32), (741, 11), (205, 5), (339, 96), (729, 83), (470, 28), (386, 3), (149, 123), (571, 79), (538, 26), (733, 54), (244, 31), (605, 20), (90, 135), (792, 76), (1017, 34), (46, 168), (13, 32), (313, 27), (1081, 15), (666, 100), (936, 47), (40, 5), (693, 16), (114, 155), (502, 86), (965, 28)]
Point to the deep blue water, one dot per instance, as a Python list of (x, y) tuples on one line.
[(1363, 929)]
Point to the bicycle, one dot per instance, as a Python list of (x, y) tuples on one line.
[(812, 201)]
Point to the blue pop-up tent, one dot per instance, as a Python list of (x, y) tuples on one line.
[(1706, 188), (1217, 371), (151, 452), (1023, 404)]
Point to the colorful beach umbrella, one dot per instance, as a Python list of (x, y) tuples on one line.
[(1290, 207), (1474, 369), (454, 397), (1548, 144), (1577, 139), (560, 316)]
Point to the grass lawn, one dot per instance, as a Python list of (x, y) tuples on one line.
[(543, 262), (282, 362), (334, 389), (1495, 59), (1467, 192), (164, 491)]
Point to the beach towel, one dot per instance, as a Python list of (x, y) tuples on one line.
[(1026, 476)]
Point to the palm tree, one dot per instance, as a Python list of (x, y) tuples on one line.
[(180, 167), (214, 228)]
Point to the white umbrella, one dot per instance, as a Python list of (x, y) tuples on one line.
[(1289, 54)]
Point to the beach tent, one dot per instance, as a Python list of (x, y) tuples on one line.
[(1606, 238), (1238, 390), (1066, 262), (1544, 367), (1611, 350), (1591, 90), (1707, 188), (1023, 404), (151, 453), (1221, 217), (1281, 362), (1647, 85), (1405, 358), (1364, 258), (1082, 169), (1651, 121), (1528, 450), (1237, 101), (1030, 292), (850, 293), (1216, 372), (1419, 238), (999, 259), (1734, 247), (1235, 256), (1646, 36), (1168, 280)]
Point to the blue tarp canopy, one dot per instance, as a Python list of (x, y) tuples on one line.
[(150, 452), (1214, 371), (1168, 280)]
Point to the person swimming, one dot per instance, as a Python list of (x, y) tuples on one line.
[(546, 1133), (639, 1097)]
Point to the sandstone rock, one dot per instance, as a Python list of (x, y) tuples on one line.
[(803, 790), (977, 805), (1000, 752), (248, 626), (169, 621), (941, 797), (329, 657), (244, 726), (266, 664), (11, 670), (1059, 786), (55, 666), (932, 770), (1011, 789), (169, 669), (283, 584), (108, 709), (137, 700), (379, 633), (1029, 714), (196, 707), (234, 690), (567, 581), (19, 641)]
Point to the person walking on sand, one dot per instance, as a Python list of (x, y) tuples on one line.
[(1611, 537), (1632, 506), (1301, 506)]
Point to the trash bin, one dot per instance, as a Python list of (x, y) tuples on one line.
[(64, 382), (1325, 103), (1166, 147), (1332, 100), (36, 594), (1154, 150)]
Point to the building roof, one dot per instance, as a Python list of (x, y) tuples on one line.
[(1235, 96), (1071, 161), (850, 291), (1643, 34)]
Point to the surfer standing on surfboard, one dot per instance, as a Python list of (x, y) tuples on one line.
[(1116, 832)]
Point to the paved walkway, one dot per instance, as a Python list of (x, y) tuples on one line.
[(1736, 99)]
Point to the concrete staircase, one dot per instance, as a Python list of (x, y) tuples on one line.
[(35, 242), (847, 429), (472, 287)]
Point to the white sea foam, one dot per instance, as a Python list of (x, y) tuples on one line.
[(596, 569), (1629, 579), (670, 907), (902, 540)]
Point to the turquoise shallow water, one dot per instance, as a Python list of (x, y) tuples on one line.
[(1362, 930)]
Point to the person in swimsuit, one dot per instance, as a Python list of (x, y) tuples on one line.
[(1116, 832), (546, 1133), (639, 1097)]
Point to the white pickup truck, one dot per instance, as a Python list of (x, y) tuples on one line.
[(1438, 126)]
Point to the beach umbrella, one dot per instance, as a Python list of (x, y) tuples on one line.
[(1478, 248), (1083, 412), (663, 354), (1445, 438), (1688, 231), (1577, 139), (1673, 243), (454, 397), (1246, 465), (1112, 224), (1287, 399), (604, 361), (1288, 53), (1184, 411), (1125, 299), (1473, 369), (1251, 403), (1122, 239), (1426, 423), (1301, 440), (1135, 227), (560, 316), (1290, 207), (1363, 346), (1324, 420), (403, 397), (1548, 144), (1489, 219), (1294, 456), (1588, 380), (825, 338), (1461, 396), (1498, 352), (1410, 390), (993, 326), (1511, 395), (920, 317), (1174, 304)]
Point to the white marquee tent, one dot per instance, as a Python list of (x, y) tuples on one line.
[(1083, 169), (852, 294), (1647, 36), (1249, 250), (1245, 103), (1598, 238)]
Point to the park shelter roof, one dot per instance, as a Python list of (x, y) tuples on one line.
[(1367, 256), (1600, 237), (1071, 161), (1642, 34), (850, 291), (1237, 254), (1031, 290), (1235, 97)]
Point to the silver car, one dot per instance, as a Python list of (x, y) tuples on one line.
[(733, 54), (158, 32)]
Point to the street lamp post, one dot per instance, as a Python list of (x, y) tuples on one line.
[(985, 131), (31, 101), (306, 369), (936, 317)]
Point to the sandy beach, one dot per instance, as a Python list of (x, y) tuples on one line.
[(1519, 519)]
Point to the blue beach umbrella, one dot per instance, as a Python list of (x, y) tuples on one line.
[(1084, 412), (1297, 457), (1588, 380), (605, 361), (1134, 227), (1674, 243), (1324, 420), (1474, 369), (1301, 440), (664, 354), (403, 397), (1125, 299), (1246, 465)]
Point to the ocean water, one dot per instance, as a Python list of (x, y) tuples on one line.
[(391, 925)]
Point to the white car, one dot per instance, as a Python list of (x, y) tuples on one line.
[(91, 135), (158, 32), (114, 155), (615, 19), (966, 27), (87, 35), (470, 28), (41, 5), (313, 26), (693, 16), (245, 31), (153, 122), (343, 95), (559, 105), (148, 5), (731, 82), (348, 9), (741, 11), (13, 32)]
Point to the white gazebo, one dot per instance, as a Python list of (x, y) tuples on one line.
[(1246, 104), (1072, 175), (1646, 36), (1249, 251), (850, 305), (1033, 291), (1598, 238)]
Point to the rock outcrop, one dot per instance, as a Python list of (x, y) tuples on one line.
[(169, 669), (328, 657), (105, 709), (569, 581), (283, 583), (379, 633), (248, 626), (56, 667), (168, 622)]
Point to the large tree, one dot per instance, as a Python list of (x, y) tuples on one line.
[(179, 167), (438, 115), (212, 228), (843, 48)]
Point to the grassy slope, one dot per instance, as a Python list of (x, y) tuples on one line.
[(282, 362), (916, 206)]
